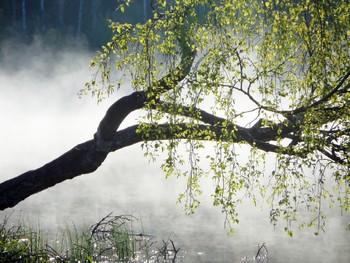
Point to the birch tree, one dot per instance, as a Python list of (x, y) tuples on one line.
[(215, 77)]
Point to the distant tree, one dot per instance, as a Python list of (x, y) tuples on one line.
[(14, 17), (24, 15), (80, 14), (42, 13), (61, 15), (238, 84)]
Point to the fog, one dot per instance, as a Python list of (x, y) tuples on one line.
[(42, 117)]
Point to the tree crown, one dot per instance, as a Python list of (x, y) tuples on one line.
[(273, 75)]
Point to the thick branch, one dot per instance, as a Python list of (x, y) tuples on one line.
[(256, 133), (328, 96), (123, 107), (234, 134), (115, 116)]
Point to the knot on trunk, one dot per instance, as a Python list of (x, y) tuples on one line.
[(101, 144)]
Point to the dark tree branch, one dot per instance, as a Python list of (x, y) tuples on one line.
[(115, 116), (121, 109), (336, 90), (130, 136), (256, 135)]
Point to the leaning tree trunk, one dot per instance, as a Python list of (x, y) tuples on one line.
[(88, 156), (82, 159)]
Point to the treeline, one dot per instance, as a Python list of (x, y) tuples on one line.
[(60, 21)]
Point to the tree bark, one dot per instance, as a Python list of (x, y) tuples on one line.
[(82, 159)]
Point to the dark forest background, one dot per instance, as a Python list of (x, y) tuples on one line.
[(66, 22)]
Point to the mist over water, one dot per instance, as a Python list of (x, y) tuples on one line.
[(42, 117)]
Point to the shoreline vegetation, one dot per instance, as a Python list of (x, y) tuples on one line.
[(118, 238), (112, 239)]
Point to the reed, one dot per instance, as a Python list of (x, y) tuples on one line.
[(112, 239)]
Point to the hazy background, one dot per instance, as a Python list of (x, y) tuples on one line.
[(42, 117)]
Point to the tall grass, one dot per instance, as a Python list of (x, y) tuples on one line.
[(112, 239), (21, 244)]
